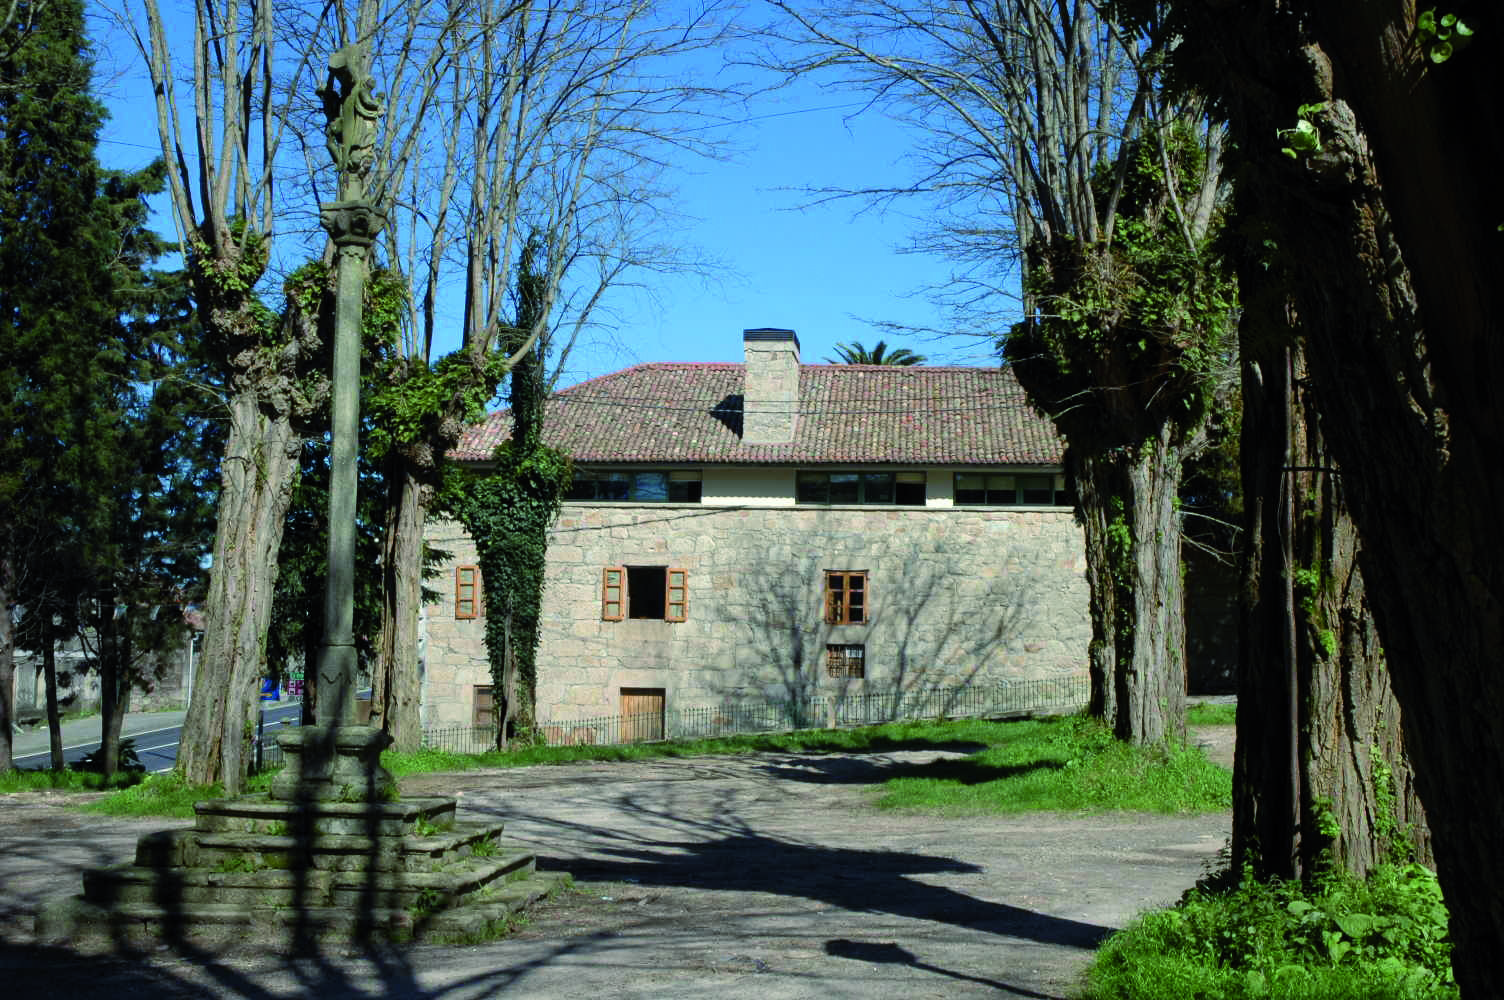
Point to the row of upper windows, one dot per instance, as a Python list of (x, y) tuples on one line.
[(905, 489), (661, 593)]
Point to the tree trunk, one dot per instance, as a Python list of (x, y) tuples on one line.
[(1398, 215), (261, 461), (397, 692), (49, 678), (111, 671), (1137, 656), (1321, 776), (7, 669)]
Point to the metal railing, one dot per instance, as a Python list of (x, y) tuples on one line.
[(768, 715)]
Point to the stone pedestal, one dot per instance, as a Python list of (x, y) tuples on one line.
[(339, 764)]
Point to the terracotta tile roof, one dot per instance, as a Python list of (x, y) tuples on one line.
[(683, 412)]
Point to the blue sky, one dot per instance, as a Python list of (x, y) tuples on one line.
[(825, 270)]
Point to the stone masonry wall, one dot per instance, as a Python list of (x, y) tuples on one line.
[(955, 596)]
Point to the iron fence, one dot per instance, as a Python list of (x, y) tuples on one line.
[(771, 715), (1002, 700)]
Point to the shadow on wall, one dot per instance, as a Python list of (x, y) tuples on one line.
[(939, 628)]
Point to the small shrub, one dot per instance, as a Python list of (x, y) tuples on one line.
[(1383, 937), (127, 759)]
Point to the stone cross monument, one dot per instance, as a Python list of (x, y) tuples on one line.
[(337, 759)]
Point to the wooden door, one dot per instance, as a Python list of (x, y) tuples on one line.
[(642, 714)]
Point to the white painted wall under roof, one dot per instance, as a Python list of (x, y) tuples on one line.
[(747, 486)]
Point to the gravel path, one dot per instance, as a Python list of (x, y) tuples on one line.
[(767, 876)]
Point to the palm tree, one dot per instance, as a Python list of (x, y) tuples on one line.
[(855, 354)]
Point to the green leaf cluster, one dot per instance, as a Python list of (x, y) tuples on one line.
[(1441, 34), (1125, 333), (1385, 936), (507, 511)]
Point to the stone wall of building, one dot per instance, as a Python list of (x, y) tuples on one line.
[(955, 595)]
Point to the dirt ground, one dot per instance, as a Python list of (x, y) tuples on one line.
[(769, 876)]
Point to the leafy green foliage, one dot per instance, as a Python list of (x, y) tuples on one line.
[(412, 401), (1126, 335), (106, 454), (126, 758), (1304, 138), (507, 511), (1441, 34), (1383, 937)]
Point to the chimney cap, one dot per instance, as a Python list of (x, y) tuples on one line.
[(770, 333)]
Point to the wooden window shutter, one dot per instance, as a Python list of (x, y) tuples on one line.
[(613, 593), (676, 595), (467, 592)]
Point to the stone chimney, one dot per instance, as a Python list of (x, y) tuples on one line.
[(770, 399)]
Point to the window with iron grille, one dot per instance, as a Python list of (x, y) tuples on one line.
[(846, 660)]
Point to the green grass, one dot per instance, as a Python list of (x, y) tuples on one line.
[(1344, 939), (870, 739), (1069, 765), (1201, 713), (65, 780), (166, 795)]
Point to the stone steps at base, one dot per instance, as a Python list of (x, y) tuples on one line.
[(90, 927), (343, 852), (276, 887)]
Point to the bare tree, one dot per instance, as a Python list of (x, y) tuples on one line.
[(559, 118), (1049, 156), (220, 128)]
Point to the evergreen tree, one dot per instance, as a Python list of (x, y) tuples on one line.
[(53, 301), (90, 467)]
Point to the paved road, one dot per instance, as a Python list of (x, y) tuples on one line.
[(765, 876), (156, 734)]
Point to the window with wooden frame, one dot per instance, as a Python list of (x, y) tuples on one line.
[(845, 597), (846, 660), (483, 713), (467, 592), (653, 593)]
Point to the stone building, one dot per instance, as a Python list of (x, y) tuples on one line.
[(746, 531)]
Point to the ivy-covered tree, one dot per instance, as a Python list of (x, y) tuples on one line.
[(297, 620), (1321, 777), (508, 509), (570, 115), (1388, 206), (1049, 157), (1121, 346)]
